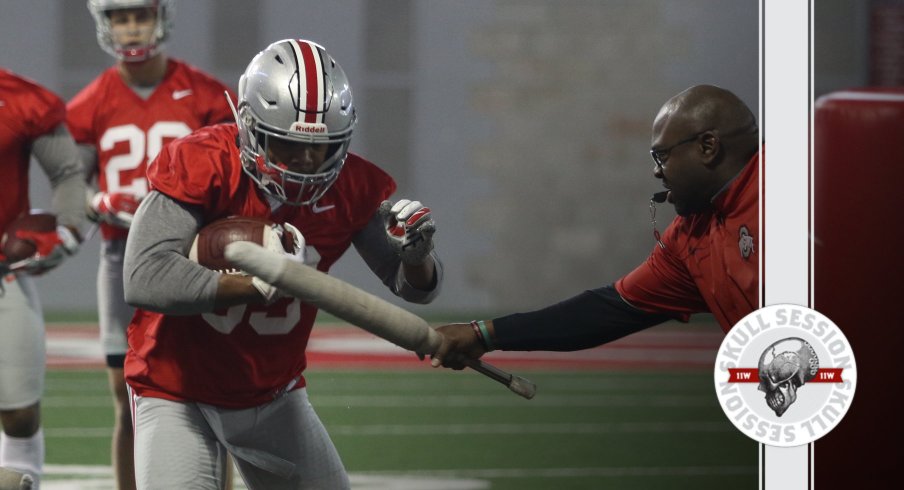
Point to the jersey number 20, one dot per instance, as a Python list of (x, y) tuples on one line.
[(142, 147)]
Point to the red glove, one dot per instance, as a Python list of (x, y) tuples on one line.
[(115, 208), (52, 247)]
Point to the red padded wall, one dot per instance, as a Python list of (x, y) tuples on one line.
[(859, 276)]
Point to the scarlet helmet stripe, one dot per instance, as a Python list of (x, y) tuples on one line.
[(311, 70)]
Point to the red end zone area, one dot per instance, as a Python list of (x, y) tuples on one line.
[(341, 346)]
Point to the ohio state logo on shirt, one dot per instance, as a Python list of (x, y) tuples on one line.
[(745, 241)]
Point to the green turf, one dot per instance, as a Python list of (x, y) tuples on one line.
[(583, 430), (75, 401)]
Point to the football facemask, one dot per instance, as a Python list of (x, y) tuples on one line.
[(152, 37), (300, 171)]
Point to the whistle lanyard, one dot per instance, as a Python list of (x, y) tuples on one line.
[(653, 220)]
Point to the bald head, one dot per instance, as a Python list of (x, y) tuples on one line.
[(705, 107), (708, 105)]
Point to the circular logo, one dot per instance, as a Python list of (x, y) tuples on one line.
[(785, 375), (745, 242)]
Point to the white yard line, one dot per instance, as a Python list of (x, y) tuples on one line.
[(75, 477), (580, 472), (464, 429), (509, 401), (520, 429), (464, 401)]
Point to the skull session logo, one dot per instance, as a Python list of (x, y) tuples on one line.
[(785, 375), (781, 374)]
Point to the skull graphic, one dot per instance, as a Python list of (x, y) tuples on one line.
[(784, 367)]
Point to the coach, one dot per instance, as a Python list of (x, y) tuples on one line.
[(705, 152)]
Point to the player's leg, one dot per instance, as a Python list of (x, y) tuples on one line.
[(22, 442), (22, 358), (175, 448), (122, 454), (114, 315), (230, 473), (286, 430)]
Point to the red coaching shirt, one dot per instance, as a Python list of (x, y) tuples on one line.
[(27, 111), (710, 261), (128, 131), (247, 354)]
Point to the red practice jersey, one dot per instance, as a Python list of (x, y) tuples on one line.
[(128, 131), (247, 354), (27, 111), (710, 261)]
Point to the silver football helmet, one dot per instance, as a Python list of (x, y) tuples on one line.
[(100, 11), (294, 91)]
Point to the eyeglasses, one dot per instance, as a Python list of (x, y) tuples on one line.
[(660, 156)]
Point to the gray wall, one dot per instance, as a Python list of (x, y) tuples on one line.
[(841, 45), (523, 124)]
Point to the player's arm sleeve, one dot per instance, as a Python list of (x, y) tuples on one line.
[(88, 156), (373, 247), (157, 274), (59, 158), (587, 320)]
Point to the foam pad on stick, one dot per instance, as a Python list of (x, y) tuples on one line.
[(355, 306)]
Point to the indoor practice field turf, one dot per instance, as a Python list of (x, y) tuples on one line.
[(598, 426)]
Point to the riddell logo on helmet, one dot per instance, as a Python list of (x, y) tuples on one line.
[(785, 375), (308, 128)]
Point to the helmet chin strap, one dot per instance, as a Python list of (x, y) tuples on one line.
[(235, 112), (139, 54), (273, 201)]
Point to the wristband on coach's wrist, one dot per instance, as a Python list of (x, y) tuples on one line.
[(477, 332), (480, 328)]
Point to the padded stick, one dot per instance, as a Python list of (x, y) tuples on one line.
[(356, 306)]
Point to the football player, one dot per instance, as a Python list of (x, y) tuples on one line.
[(31, 123), (121, 120), (215, 361)]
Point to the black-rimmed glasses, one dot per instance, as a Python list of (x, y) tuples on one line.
[(661, 155)]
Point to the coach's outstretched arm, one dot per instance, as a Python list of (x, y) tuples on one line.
[(587, 320)]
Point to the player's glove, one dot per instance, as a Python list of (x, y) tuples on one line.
[(286, 240), (52, 247), (409, 229), (115, 208)]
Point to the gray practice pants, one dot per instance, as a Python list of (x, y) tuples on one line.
[(281, 445)]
